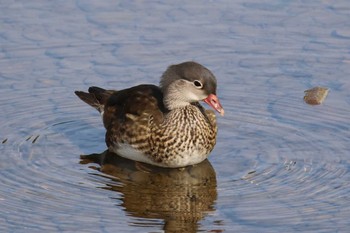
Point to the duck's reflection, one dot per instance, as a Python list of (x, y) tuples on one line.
[(180, 197)]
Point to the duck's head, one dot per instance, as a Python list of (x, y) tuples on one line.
[(189, 82)]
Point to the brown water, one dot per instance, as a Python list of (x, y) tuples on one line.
[(280, 165)]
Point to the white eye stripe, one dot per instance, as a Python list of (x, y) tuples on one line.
[(197, 84)]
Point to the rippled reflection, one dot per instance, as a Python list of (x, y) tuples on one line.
[(180, 197)]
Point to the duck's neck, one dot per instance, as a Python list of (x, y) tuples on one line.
[(174, 99)]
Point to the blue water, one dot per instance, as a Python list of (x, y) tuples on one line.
[(279, 165)]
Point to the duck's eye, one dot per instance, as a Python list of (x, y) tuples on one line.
[(197, 84)]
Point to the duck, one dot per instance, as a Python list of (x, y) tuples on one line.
[(165, 125)]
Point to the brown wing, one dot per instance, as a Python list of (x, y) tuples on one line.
[(127, 113)]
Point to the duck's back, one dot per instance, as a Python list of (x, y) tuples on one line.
[(134, 102)]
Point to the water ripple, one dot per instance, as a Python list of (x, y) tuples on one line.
[(279, 165)]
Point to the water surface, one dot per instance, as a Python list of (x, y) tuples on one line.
[(280, 165)]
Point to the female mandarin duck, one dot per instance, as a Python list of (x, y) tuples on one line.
[(163, 126)]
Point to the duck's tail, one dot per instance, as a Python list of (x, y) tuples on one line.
[(97, 97)]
